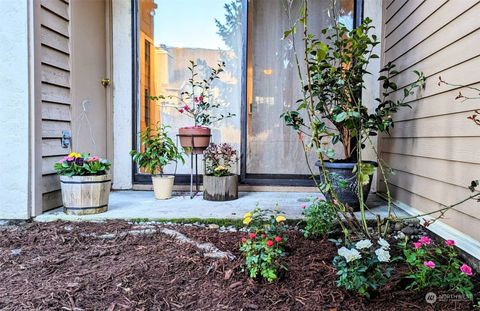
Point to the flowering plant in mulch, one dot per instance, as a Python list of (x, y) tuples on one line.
[(264, 245), (197, 101), (81, 164), (219, 159), (363, 266), (437, 265)]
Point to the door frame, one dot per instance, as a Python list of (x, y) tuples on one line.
[(245, 178)]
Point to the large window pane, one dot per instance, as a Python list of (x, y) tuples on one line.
[(273, 85), (173, 32)]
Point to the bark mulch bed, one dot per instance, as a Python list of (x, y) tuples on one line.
[(66, 266)]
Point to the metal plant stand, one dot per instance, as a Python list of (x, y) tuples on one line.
[(197, 184)]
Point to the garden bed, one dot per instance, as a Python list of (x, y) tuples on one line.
[(86, 266)]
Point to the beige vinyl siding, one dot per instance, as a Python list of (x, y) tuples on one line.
[(433, 148), (55, 93)]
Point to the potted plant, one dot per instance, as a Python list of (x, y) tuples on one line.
[(197, 102), (332, 111), (156, 151), (219, 183), (85, 183)]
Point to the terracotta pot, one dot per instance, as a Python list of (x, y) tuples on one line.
[(194, 139), (84, 195), (162, 187)]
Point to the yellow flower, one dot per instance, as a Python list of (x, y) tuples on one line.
[(247, 220), (280, 218), (71, 155), (219, 168), (249, 215)]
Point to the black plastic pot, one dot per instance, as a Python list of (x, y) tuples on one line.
[(344, 170)]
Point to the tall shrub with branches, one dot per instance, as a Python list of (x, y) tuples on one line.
[(331, 110)]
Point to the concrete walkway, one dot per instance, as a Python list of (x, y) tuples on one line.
[(142, 204)]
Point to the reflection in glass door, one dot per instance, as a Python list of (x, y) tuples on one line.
[(273, 85), (170, 34)]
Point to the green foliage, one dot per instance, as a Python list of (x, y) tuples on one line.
[(362, 267), (81, 164), (264, 245), (196, 102), (433, 265), (320, 218), (157, 150), (219, 159), (335, 79)]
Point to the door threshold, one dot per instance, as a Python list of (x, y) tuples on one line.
[(241, 188)]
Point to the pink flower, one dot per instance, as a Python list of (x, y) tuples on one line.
[(303, 206), (425, 240), (195, 99), (244, 240), (200, 98), (450, 242), (417, 245), (269, 243), (467, 270), (93, 159), (70, 159), (278, 239), (186, 108), (429, 264)]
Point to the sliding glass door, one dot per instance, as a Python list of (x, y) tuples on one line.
[(171, 33), (273, 151), (260, 83)]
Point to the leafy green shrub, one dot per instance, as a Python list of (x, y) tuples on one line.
[(264, 245), (157, 150), (361, 267), (320, 218), (433, 265), (81, 164)]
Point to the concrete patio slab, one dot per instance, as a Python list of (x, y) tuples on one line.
[(142, 204)]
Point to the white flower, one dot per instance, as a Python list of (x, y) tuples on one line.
[(353, 255), (349, 254), (343, 251), (363, 244), (384, 244), (383, 255)]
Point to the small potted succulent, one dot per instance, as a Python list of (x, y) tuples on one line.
[(85, 183), (156, 151), (219, 183), (197, 102)]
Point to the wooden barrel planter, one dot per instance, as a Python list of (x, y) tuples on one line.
[(84, 195), (223, 188)]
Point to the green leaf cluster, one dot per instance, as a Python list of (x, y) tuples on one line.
[(157, 150)]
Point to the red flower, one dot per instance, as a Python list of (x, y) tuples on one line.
[(200, 99), (269, 243), (186, 108), (195, 99), (180, 110), (252, 235), (278, 239), (244, 240)]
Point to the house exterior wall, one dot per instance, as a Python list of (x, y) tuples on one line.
[(15, 111), (433, 148), (55, 88)]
